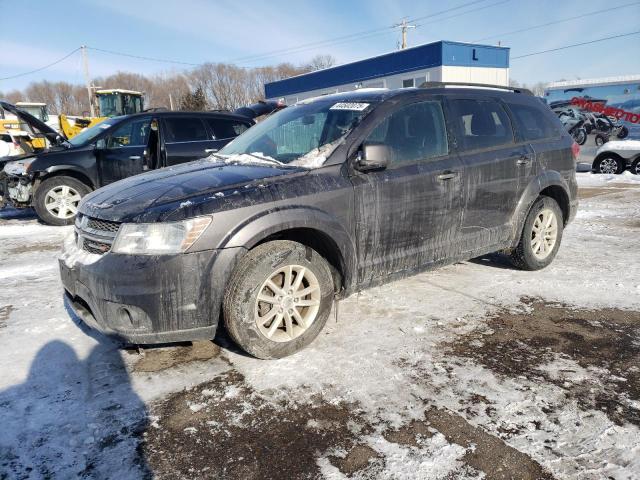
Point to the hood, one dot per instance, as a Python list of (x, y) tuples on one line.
[(36, 124), (179, 192)]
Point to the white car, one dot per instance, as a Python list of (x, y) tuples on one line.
[(13, 142), (617, 156)]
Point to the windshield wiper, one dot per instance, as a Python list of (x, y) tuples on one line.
[(267, 159)]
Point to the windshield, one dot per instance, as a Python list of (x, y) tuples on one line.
[(90, 134), (304, 134), (37, 111), (109, 104)]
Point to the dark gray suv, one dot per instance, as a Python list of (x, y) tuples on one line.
[(325, 198)]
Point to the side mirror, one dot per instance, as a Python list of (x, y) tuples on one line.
[(101, 144), (372, 157)]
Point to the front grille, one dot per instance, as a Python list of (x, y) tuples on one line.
[(99, 248), (103, 225), (95, 235)]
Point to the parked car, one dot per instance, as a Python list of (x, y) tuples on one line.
[(323, 199), (617, 156), (54, 181), (14, 143)]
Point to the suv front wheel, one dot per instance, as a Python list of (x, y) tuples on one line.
[(278, 299), (541, 236), (56, 199)]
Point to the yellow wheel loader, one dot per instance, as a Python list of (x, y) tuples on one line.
[(110, 103)]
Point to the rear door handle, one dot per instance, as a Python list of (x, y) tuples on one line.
[(210, 150), (447, 175), (524, 160), (135, 157)]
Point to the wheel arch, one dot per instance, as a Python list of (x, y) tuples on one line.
[(311, 227), (550, 184), (67, 171)]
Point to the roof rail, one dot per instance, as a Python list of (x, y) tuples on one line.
[(478, 85)]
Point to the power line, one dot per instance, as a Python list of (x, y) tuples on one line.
[(555, 22), (577, 45), (141, 57), (344, 38), (41, 68)]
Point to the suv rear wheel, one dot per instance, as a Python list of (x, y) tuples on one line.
[(278, 299), (541, 236), (56, 199), (635, 166)]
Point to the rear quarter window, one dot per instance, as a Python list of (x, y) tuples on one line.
[(532, 123)]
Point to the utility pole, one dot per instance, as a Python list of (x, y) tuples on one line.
[(404, 27), (87, 78)]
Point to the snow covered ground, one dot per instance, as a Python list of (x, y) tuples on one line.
[(475, 370)]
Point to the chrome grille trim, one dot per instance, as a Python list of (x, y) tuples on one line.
[(95, 235)]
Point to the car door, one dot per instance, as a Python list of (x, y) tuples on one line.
[(493, 163), (408, 215), (186, 138), (121, 153), (223, 130)]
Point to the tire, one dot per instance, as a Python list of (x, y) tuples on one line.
[(55, 187), (609, 165), (623, 133), (601, 139), (524, 256), (242, 311), (581, 136), (635, 166)]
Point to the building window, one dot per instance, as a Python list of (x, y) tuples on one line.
[(407, 83)]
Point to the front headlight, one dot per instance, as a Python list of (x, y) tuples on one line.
[(159, 238), (18, 167)]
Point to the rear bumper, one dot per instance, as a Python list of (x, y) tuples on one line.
[(148, 299)]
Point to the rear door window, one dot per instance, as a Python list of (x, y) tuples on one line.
[(412, 133), (481, 123), (532, 123), (185, 129), (130, 134), (223, 129)]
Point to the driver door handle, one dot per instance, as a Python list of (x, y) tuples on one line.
[(448, 175), (210, 150), (524, 160), (135, 157)]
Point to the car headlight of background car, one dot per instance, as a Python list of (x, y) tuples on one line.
[(159, 238)]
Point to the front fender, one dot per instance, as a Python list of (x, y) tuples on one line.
[(532, 191), (227, 232)]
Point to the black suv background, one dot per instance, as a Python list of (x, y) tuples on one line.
[(54, 181), (327, 197)]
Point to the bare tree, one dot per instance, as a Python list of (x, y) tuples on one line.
[(320, 62)]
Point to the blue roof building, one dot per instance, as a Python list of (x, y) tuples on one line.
[(435, 62)]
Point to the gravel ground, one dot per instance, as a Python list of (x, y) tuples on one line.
[(475, 370)]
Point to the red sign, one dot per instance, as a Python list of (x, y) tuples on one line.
[(600, 107)]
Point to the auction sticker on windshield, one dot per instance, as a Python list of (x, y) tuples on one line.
[(349, 106)]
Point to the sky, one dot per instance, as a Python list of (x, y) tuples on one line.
[(252, 33)]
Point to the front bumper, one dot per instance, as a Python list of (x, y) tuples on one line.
[(141, 299)]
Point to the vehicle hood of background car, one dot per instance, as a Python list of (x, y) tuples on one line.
[(182, 191), (620, 145)]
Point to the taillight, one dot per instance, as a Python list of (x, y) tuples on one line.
[(575, 149)]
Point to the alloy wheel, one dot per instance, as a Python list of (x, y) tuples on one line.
[(608, 165), (62, 201), (287, 303), (544, 233)]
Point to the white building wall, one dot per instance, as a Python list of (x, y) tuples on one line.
[(493, 76)]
